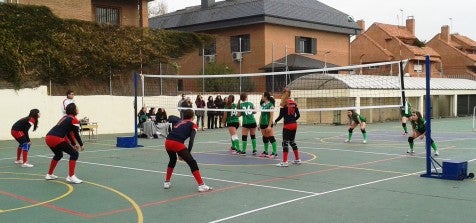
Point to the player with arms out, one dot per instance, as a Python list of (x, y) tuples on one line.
[(20, 133), (174, 145), (354, 119), (290, 112), (64, 137), (406, 113), (419, 130)]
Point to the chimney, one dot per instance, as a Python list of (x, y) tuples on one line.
[(361, 24), (207, 3), (410, 25), (445, 33)]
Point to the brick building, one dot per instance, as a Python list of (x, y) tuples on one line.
[(116, 12), (385, 42), (251, 34), (458, 54)]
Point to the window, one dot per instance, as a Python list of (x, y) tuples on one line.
[(306, 45), (209, 50), (245, 43), (418, 68), (107, 15)]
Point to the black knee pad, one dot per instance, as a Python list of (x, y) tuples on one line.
[(244, 137), (285, 146), (293, 145), (253, 137), (363, 131), (272, 139), (265, 139), (410, 139), (351, 130), (404, 125)]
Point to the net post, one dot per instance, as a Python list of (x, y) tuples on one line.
[(429, 159), (402, 82), (136, 77)]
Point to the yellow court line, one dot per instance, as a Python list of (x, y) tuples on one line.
[(140, 216), (70, 190)]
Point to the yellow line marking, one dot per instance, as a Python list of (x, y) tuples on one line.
[(70, 190), (140, 216)]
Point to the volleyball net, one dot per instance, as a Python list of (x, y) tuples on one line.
[(375, 90)]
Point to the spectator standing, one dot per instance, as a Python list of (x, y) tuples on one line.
[(220, 104), (200, 103), (211, 114), (179, 104)]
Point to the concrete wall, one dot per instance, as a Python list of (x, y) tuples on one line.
[(114, 114)]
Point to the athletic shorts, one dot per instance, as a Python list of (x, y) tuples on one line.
[(265, 126), (53, 141), (174, 146), (250, 126), (234, 124), (290, 126)]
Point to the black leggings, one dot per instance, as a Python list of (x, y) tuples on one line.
[(186, 156), (67, 148)]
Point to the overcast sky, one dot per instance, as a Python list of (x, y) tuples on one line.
[(429, 15)]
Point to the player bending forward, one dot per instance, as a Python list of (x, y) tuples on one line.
[(419, 130), (355, 118), (174, 145)]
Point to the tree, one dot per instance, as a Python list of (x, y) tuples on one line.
[(157, 7)]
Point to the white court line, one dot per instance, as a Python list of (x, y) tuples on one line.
[(186, 175), (317, 194)]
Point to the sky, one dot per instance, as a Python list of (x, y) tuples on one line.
[(429, 15)]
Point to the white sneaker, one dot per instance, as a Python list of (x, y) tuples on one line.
[(27, 165), (347, 140), (365, 141), (51, 177), (18, 162), (297, 162), (410, 151), (282, 164), (73, 179), (203, 188), (437, 153), (167, 184)]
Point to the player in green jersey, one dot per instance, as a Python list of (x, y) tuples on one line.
[(419, 130), (248, 122), (232, 122), (266, 125), (406, 112), (354, 119)]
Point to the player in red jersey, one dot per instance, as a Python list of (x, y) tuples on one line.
[(290, 112), (174, 145), (20, 133), (64, 137)]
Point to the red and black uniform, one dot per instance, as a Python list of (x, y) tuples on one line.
[(174, 145), (61, 138), (291, 114), (20, 133), (20, 129)]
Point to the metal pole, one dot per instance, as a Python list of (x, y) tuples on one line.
[(241, 58), (203, 70), (428, 115)]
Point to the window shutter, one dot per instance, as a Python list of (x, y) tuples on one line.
[(314, 46), (296, 45)]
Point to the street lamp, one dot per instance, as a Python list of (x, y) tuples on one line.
[(325, 61)]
